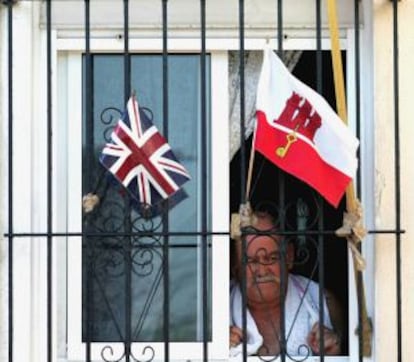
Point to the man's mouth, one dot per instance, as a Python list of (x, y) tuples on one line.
[(267, 279)]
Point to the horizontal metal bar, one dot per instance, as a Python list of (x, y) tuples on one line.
[(9, 2), (189, 233)]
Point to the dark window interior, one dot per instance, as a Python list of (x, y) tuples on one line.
[(274, 190)]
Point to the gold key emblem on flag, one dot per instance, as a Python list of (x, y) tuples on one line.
[(291, 138)]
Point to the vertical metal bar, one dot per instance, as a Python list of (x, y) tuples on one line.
[(319, 79), (357, 86), (397, 174), (242, 170), (165, 219), (359, 279), (128, 241), (283, 289), (242, 103), (282, 203), (127, 57), (10, 176), (204, 259), (320, 252), (280, 28), (49, 179), (88, 99)]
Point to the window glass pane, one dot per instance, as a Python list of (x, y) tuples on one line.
[(120, 269)]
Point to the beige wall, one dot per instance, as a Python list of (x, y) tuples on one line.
[(385, 284), (406, 31)]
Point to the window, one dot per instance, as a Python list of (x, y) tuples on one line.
[(118, 215), (71, 178), (149, 95), (107, 262)]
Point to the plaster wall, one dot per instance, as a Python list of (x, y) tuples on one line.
[(385, 327)]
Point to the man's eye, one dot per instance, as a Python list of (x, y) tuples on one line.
[(252, 261), (275, 257)]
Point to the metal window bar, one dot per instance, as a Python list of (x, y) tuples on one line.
[(320, 260), (359, 278), (282, 204), (165, 219), (49, 181), (243, 196), (397, 173), (128, 241), (10, 180), (204, 225), (88, 104), (50, 234)]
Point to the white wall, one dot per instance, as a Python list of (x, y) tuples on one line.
[(385, 317), (407, 167), (29, 182)]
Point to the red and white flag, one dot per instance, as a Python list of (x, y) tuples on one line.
[(298, 131)]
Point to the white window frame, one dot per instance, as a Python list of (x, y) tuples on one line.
[(70, 59), (71, 63)]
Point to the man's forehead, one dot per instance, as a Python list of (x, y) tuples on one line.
[(263, 242)]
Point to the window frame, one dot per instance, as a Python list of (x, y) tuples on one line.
[(70, 71), (69, 62)]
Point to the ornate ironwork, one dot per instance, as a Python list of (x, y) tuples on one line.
[(113, 259), (108, 355)]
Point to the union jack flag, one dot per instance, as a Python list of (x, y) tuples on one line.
[(140, 158)]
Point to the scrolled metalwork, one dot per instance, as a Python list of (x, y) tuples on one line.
[(141, 224), (302, 254), (144, 352), (142, 261), (108, 354), (268, 358), (107, 117), (304, 352), (111, 357)]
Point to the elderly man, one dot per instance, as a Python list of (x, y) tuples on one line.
[(263, 292)]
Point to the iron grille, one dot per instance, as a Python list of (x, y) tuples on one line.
[(305, 226)]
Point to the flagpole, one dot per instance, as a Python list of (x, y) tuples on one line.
[(355, 230)]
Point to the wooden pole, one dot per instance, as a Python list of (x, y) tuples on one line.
[(352, 203)]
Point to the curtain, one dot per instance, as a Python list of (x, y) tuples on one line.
[(252, 65)]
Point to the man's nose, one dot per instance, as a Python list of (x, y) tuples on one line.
[(262, 269)]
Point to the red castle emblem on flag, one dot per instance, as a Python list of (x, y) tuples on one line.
[(299, 116)]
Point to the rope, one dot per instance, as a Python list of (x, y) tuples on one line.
[(352, 227)]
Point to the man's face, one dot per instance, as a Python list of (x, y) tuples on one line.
[(263, 271)]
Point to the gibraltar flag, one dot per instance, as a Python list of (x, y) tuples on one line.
[(299, 132)]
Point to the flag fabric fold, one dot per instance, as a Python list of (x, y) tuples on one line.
[(140, 158), (298, 131)]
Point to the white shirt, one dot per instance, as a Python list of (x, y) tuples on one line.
[(301, 313)]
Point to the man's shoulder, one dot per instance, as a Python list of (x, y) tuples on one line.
[(302, 280)]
